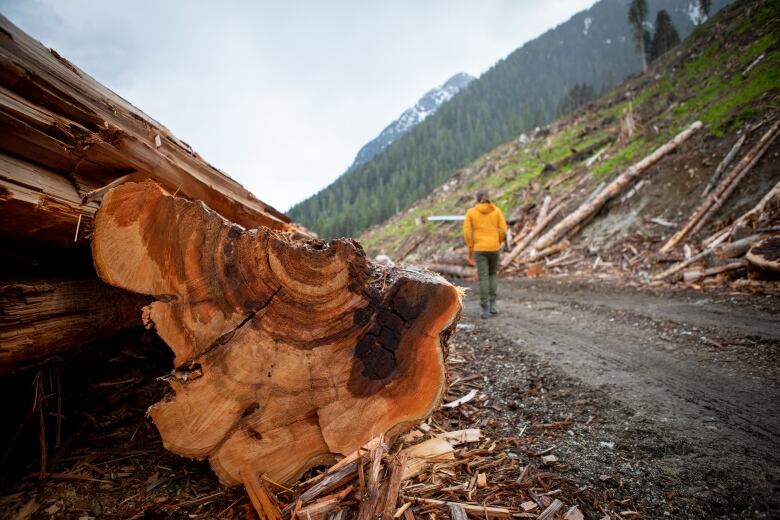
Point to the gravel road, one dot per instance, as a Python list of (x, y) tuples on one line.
[(687, 383)]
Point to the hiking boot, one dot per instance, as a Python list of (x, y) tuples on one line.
[(493, 307), (485, 312)]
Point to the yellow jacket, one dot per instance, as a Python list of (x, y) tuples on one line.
[(484, 228)]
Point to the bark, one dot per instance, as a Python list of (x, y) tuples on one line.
[(297, 350), (614, 188), (766, 254), (40, 319)]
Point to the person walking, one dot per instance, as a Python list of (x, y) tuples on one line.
[(484, 229)]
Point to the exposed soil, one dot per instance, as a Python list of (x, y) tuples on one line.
[(681, 390)]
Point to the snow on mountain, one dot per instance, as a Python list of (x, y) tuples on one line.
[(427, 105)]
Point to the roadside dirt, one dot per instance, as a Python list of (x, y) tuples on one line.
[(653, 404), (673, 396)]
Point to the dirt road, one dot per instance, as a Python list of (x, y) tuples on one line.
[(684, 387)]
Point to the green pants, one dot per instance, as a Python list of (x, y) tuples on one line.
[(487, 267)]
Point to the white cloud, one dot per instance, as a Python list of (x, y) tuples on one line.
[(281, 95)]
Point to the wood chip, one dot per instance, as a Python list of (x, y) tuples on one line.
[(549, 513), (573, 513), (530, 505), (463, 436), (420, 455), (457, 402), (549, 459)]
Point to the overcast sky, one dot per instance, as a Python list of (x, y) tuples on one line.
[(282, 94)]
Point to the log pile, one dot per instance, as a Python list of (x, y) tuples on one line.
[(66, 141)]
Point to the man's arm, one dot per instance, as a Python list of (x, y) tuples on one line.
[(468, 236), (501, 227)]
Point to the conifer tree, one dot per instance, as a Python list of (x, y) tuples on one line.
[(665, 36), (704, 6), (637, 15)]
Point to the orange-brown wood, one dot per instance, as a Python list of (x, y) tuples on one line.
[(298, 351)]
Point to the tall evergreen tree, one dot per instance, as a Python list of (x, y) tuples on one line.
[(704, 5), (637, 16), (665, 36)]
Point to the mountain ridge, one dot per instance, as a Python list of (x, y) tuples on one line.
[(427, 105)]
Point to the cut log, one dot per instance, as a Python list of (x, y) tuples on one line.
[(56, 116), (41, 207), (553, 249), (40, 319), (753, 214), (538, 228), (456, 271), (766, 254), (695, 276), (724, 189), (306, 350), (729, 251), (614, 188)]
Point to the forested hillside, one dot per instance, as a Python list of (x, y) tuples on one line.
[(520, 92)]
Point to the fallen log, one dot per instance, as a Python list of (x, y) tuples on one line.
[(730, 250), (724, 189), (555, 248), (742, 221), (725, 163), (766, 254), (40, 319), (614, 188), (695, 276), (457, 271), (56, 116), (303, 349), (538, 228)]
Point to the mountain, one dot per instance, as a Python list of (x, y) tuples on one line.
[(518, 93), (726, 74), (426, 106)]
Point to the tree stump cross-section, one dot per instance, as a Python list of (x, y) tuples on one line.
[(287, 353)]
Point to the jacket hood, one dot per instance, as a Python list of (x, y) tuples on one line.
[(485, 207)]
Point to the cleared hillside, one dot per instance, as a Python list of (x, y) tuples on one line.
[(727, 74), (522, 91)]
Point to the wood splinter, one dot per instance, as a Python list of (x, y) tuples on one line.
[(302, 351)]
